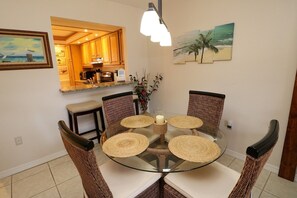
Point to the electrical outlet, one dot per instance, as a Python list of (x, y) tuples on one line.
[(18, 140), (229, 124)]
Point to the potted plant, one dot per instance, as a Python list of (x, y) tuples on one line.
[(143, 89)]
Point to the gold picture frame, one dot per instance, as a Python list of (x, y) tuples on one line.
[(21, 49)]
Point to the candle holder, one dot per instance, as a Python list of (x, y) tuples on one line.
[(160, 129)]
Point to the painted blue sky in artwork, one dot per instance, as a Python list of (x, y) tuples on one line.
[(20, 46)]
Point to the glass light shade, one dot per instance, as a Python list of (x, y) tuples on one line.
[(148, 22), (160, 33), (157, 33), (166, 41)]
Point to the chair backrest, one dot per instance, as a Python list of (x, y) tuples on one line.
[(81, 152), (118, 106), (257, 156), (207, 106)]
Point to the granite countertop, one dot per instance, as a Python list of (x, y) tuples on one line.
[(82, 87)]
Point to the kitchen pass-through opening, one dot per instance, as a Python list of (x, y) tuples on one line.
[(87, 52)]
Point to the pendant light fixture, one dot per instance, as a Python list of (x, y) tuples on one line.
[(153, 25)]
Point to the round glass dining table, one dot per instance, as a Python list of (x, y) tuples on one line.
[(159, 157)]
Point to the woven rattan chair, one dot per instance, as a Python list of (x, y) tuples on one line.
[(116, 107), (208, 107), (110, 179), (216, 180)]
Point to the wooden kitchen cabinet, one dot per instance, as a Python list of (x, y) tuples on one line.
[(95, 49), (98, 48), (114, 48), (105, 43), (110, 49), (86, 55), (121, 47)]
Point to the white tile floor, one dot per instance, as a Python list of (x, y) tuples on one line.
[(59, 179)]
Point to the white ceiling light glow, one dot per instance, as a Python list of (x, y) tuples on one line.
[(153, 25)]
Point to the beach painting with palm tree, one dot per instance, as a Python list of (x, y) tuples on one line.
[(204, 46)]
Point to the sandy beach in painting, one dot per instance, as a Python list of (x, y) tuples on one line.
[(225, 53)]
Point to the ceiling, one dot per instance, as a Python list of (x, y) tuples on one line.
[(68, 31), (143, 4)]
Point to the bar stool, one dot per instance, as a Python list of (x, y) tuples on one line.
[(135, 100), (84, 108)]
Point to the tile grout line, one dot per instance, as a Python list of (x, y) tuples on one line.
[(28, 175), (270, 194), (42, 192), (54, 180), (267, 180), (231, 162), (24, 178), (11, 186), (48, 188), (265, 185)]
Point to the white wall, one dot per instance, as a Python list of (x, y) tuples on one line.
[(30, 101), (259, 79)]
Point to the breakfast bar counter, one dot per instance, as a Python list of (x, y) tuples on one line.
[(82, 87)]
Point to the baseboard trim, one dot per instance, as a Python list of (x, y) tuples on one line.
[(31, 164), (36, 162)]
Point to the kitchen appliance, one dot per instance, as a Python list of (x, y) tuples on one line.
[(121, 77), (98, 75), (97, 61), (106, 76), (84, 75)]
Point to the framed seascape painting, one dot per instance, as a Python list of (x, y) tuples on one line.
[(21, 49), (204, 46)]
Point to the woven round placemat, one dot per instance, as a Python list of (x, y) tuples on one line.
[(125, 145), (185, 122), (194, 148), (137, 121)]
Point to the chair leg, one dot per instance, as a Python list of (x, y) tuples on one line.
[(70, 121), (102, 119), (96, 125), (136, 106), (75, 123)]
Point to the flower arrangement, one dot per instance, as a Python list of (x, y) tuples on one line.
[(143, 89)]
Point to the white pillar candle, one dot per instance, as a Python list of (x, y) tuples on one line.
[(160, 119)]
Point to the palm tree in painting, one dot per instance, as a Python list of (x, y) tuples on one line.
[(194, 48), (204, 41)]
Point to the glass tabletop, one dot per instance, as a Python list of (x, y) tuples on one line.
[(158, 157)]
